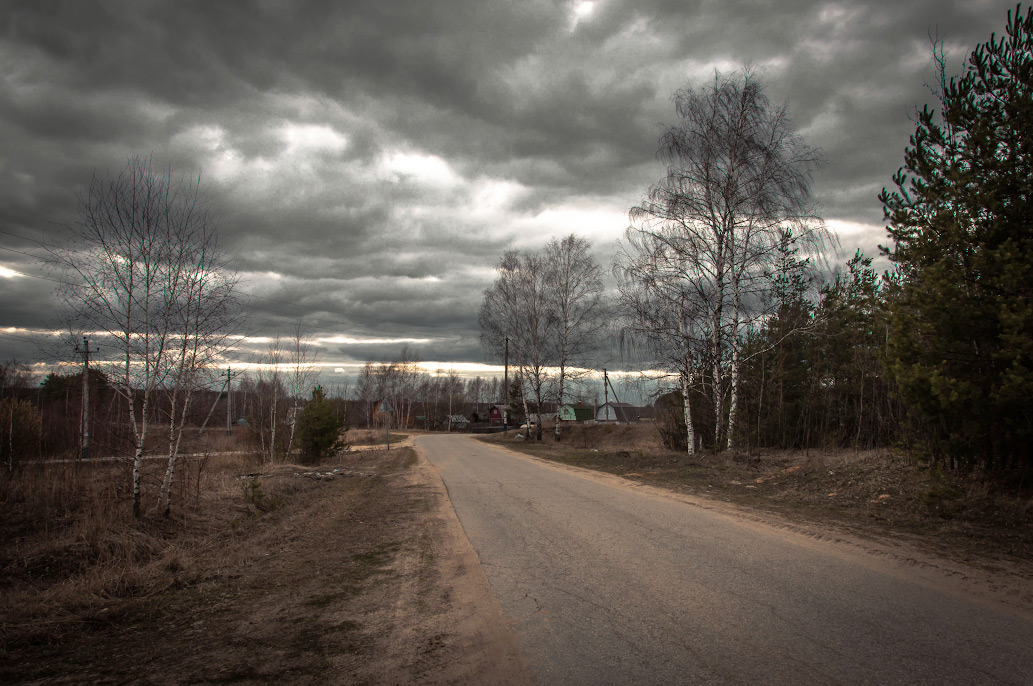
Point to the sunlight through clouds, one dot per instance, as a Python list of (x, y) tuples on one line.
[(430, 170), (599, 224), (580, 10), (307, 138), (353, 340)]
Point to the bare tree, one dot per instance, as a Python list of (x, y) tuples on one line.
[(143, 268), (453, 390), (408, 374), (501, 317), (366, 391), (737, 177), (206, 313), (661, 306), (273, 360), (493, 390), (516, 307), (301, 375), (576, 300)]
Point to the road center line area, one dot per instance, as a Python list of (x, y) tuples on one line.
[(607, 585)]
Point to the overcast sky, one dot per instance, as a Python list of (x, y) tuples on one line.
[(370, 161)]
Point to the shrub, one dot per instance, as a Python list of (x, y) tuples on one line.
[(319, 427)]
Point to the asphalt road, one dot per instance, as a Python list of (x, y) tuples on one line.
[(610, 585)]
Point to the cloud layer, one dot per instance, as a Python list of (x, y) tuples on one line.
[(370, 161)]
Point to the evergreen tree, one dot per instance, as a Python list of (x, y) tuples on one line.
[(856, 404), (319, 426), (778, 361), (961, 223)]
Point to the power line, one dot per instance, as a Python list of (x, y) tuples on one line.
[(26, 238), (4, 334)]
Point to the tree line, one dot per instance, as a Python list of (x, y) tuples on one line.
[(420, 398)]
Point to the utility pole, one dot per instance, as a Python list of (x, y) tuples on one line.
[(606, 396), (229, 400), (505, 389), (84, 453), (505, 380), (616, 400), (214, 405)]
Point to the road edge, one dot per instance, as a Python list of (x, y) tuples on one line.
[(1000, 590), (493, 648)]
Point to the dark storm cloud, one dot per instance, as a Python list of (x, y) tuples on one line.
[(369, 161)]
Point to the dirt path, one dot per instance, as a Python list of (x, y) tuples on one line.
[(358, 577)]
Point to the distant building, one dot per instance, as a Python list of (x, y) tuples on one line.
[(570, 413), (457, 421), (497, 415), (625, 413)]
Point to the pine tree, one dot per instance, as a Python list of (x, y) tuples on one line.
[(961, 222), (319, 426)]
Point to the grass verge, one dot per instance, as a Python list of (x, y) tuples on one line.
[(263, 573), (371, 437)]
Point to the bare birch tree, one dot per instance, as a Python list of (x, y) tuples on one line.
[(502, 316), (576, 299), (550, 307), (273, 359), (301, 375), (662, 313), (143, 267), (517, 307), (207, 312), (737, 177)]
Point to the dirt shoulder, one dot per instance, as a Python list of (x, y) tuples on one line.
[(355, 572)]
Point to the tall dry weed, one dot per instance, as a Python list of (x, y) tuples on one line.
[(70, 543)]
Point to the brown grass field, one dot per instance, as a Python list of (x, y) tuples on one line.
[(264, 573)]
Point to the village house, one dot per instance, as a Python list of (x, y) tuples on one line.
[(497, 415), (625, 413), (457, 422), (570, 413)]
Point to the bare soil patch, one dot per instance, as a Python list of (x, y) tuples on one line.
[(354, 571), (878, 494)]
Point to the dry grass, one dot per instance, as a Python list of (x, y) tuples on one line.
[(372, 437), (71, 544), (84, 587), (876, 493)]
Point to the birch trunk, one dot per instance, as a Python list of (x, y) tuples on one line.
[(173, 457), (733, 381), (717, 392), (690, 438), (272, 422), (559, 398), (294, 424), (733, 404)]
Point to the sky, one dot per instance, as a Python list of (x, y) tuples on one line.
[(369, 161)]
